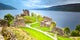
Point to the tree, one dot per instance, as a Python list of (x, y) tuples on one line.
[(53, 24), (78, 27), (75, 33), (8, 18), (67, 30)]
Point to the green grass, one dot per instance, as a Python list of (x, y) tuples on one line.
[(63, 38), (36, 34), (44, 28), (41, 36), (78, 38), (29, 19), (37, 25)]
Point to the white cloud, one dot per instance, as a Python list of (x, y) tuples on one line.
[(73, 1), (32, 1), (48, 3), (35, 4), (35, 1)]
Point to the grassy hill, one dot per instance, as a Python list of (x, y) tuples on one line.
[(36, 34)]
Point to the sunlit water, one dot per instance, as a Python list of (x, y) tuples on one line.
[(63, 19)]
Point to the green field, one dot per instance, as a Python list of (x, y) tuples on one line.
[(36, 34)]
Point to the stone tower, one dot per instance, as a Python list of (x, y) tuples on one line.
[(26, 12)]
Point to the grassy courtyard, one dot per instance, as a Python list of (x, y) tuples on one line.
[(37, 25)]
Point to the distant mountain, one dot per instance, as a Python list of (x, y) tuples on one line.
[(67, 7), (6, 7)]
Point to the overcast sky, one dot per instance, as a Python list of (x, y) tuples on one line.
[(37, 3)]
